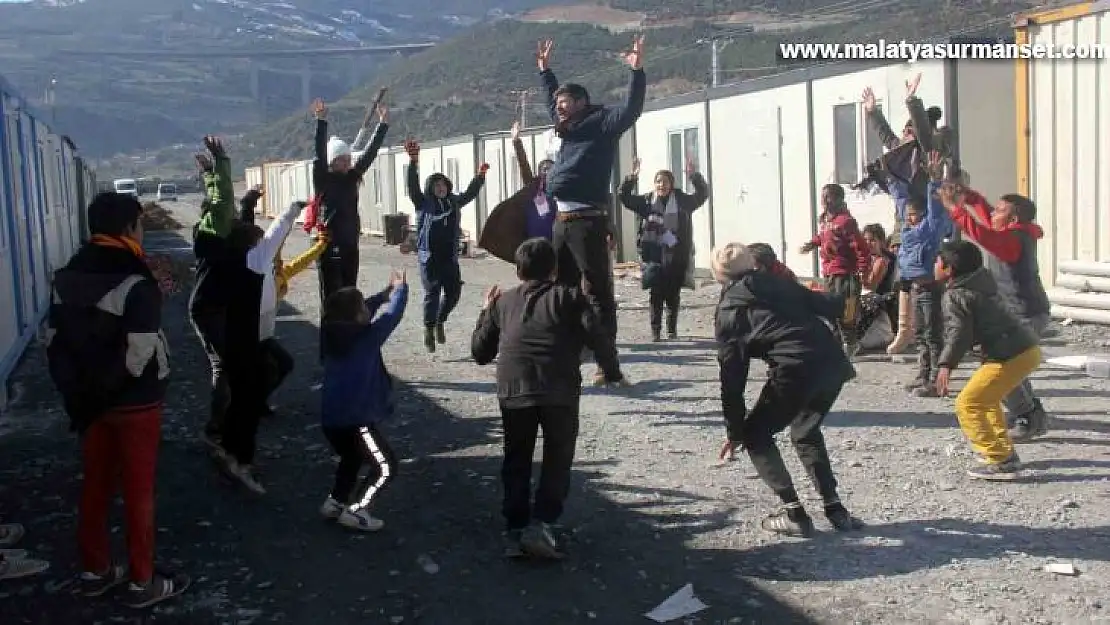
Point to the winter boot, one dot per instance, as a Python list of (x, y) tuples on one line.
[(430, 339), (656, 323), (904, 337)]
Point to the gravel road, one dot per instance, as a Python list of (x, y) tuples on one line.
[(650, 511)]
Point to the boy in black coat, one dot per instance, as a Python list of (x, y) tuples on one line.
[(537, 331)]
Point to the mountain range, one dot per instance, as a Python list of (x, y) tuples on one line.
[(137, 82)]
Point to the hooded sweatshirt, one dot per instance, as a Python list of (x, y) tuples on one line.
[(841, 246), (339, 191), (921, 243), (438, 219), (358, 390), (1011, 255)]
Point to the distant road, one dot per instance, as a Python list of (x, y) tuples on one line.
[(240, 53)]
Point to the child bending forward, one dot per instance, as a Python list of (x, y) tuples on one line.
[(974, 315), (358, 397)]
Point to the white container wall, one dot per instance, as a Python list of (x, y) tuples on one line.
[(1068, 116), (43, 189), (762, 193)]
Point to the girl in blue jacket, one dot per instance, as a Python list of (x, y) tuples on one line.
[(358, 396)]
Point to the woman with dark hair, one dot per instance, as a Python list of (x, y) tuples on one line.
[(879, 279), (528, 213), (666, 238)]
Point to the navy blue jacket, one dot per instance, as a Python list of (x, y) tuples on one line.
[(583, 169), (921, 243), (438, 219), (358, 390)]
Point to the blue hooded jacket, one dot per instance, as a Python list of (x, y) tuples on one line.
[(358, 390), (438, 219), (921, 243)]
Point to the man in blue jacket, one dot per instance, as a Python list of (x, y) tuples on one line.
[(580, 181)]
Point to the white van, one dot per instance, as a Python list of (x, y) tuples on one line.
[(167, 193), (126, 185)]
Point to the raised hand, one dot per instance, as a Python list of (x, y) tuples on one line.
[(635, 167), (492, 294), (383, 112), (868, 98), (483, 168), (543, 54), (951, 195), (935, 166), (690, 169), (203, 162), (635, 57), (514, 132), (412, 148), (397, 278), (319, 109), (912, 84), (214, 146), (258, 189)]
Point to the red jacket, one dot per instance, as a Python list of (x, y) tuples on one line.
[(1004, 243), (840, 245)]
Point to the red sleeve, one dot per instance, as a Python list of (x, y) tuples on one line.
[(976, 202), (859, 245), (1005, 244)]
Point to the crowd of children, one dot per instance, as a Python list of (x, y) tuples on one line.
[(110, 362)]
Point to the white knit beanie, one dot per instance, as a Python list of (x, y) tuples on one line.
[(336, 148)]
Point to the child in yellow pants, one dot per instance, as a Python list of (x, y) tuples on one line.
[(974, 316)]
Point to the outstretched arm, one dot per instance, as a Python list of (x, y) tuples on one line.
[(473, 188), (619, 119), (631, 200), (733, 361), (371, 152), (526, 175), (691, 202), (412, 179), (390, 318), (486, 337)]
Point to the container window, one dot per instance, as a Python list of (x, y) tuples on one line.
[(845, 140)]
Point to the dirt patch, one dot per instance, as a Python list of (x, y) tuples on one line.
[(158, 217)]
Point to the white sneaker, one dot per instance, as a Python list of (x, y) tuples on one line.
[(360, 520), (332, 508)]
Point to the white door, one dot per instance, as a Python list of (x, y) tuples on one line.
[(754, 213)]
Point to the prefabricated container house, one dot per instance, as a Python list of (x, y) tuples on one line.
[(769, 145), (1063, 139), (43, 187)]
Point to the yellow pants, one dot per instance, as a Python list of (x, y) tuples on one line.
[(979, 404)]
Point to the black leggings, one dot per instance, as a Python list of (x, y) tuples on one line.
[(355, 447)]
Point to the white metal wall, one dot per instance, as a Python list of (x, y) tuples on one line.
[(42, 186), (1069, 145)]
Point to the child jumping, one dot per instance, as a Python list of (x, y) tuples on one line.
[(438, 213), (358, 396), (975, 316)]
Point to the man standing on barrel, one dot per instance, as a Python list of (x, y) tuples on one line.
[(580, 181)]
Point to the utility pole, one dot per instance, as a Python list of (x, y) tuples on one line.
[(715, 62)]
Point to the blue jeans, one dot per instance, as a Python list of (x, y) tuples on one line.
[(442, 288)]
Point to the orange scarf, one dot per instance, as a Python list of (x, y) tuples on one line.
[(121, 242)]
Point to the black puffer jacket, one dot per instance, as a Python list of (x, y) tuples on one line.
[(975, 315), (105, 347)]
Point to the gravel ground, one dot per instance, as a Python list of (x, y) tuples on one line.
[(650, 511)]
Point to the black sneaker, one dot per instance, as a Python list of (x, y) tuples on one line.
[(537, 541), (441, 335), (1002, 472), (656, 336), (780, 523), (156, 590), (430, 339), (913, 386), (842, 520), (672, 334), (513, 548), (98, 585)]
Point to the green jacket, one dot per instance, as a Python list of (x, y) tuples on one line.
[(218, 208), (973, 315)]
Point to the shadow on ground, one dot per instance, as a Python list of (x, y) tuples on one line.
[(274, 560)]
